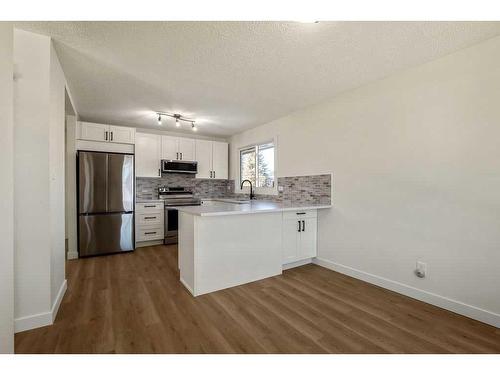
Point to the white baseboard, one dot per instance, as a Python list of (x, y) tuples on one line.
[(458, 307), (32, 321), (297, 264), (42, 319), (72, 255), (186, 285), (57, 302)]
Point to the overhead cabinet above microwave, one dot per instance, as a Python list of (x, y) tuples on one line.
[(90, 131), (177, 148), (208, 159)]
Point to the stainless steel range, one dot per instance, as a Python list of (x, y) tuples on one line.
[(172, 197)]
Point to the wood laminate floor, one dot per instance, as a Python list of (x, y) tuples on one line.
[(134, 303)]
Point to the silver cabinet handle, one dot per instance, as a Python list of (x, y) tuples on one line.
[(214, 174), (303, 226), (159, 172), (300, 213), (149, 206), (149, 232), (181, 155), (149, 217), (177, 155), (111, 136), (105, 135), (210, 174), (298, 230)]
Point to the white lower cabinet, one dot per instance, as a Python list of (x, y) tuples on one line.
[(299, 235), (149, 222)]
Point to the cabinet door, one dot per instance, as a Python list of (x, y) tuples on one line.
[(290, 240), (121, 134), (203, 154), (90, 131), (169, 148), (307, 245), (147, 155), (220, 160), (186, 149)]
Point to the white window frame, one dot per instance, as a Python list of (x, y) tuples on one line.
[(258, 190)]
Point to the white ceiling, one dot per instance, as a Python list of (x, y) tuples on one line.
[(236, 75)]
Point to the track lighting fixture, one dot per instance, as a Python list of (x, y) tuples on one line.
[(178, 118)]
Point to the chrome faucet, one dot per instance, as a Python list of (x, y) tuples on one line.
[(252, 195)]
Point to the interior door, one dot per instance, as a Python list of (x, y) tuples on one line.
[(204, 158), (290, 241), (120, 182), (121, 134), (169, 148), (220, 160), (186, 149), (105, 233), (92, 182), (307, 247), (147, 155), (94, 132)]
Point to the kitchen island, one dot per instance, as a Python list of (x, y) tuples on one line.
[(222, 244)]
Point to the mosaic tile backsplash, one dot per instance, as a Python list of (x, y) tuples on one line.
[(147, 188), (296, 190)]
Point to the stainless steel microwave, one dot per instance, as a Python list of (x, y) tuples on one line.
[(179, 166)]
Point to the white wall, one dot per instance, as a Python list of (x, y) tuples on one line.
[(57, 180), (31, 166), (71, 187), (6, 191), (416, 164), (39, 180)]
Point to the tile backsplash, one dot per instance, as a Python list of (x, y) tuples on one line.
[(147, 188), (315, 189)]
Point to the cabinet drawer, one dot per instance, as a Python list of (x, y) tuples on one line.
[(149, 233), (305, 214), (154, 207), (155, 218)]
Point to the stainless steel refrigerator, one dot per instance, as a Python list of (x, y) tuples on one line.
[(105, 203)]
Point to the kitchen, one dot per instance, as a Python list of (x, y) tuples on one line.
[(179, 176), (199, 194)]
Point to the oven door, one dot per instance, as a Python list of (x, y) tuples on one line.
[(171, 225)]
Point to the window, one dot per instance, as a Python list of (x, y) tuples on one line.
[(257, 165)]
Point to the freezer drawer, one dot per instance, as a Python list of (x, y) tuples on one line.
[(107, 233)]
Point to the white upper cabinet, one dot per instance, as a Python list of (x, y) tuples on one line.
[(220, 160), (90, 131), (204, 158), (147, 155), (186, 149), (177, 148), (121, 134), (169, 148), (212, 158)]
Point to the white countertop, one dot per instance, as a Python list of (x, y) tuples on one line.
[(149, 201), (217, 208)]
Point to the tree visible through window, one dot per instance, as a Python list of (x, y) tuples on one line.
[(257, 165)]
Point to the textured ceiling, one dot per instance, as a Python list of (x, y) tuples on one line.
[(235, 75)]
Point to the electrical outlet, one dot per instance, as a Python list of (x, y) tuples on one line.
[(421, 269)]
